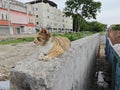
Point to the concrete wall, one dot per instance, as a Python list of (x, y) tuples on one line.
[(71, 71), (114, 36)]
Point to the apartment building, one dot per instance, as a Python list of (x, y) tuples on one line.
[(16, 18), (47, 15)]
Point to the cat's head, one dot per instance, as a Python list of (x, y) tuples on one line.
[(42, 37)]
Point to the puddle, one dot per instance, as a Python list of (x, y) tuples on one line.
[(5, 85), (100, 80)]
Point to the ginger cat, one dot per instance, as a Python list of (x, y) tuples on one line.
[(50, 46)]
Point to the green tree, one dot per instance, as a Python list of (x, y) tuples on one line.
[(84, 26), (97, 26), (81, 9)]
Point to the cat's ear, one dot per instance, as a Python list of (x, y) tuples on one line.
[(45, 31)]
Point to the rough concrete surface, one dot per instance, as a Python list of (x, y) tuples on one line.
[(71, 71), (114, 36), (10, 55)]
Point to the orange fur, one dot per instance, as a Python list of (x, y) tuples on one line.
[(53, 46)]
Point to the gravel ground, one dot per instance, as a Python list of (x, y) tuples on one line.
[(12, 54)]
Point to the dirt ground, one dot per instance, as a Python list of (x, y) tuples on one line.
[(12, 54), (101, 65)]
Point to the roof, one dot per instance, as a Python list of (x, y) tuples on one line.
[(45, 1)]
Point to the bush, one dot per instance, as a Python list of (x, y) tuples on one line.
[(75, 35)]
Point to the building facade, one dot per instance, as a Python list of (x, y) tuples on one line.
[(47, 15), (16, 18)]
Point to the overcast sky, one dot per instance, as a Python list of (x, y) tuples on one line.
[(110, 10)]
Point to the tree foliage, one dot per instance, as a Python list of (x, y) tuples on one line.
[(97, 26), (116, 27), (81, 9), (93, 26)]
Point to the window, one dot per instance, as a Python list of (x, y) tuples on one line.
[(63, 25), (33, 8), (3, 5), (54, 18), (36, 9), (37, 23), (47, 10), (30, 12), (36, 16), (30, 19), (48, 17), (6, 17), (2, 17)]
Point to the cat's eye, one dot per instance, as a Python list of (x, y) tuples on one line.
[(38, 39)]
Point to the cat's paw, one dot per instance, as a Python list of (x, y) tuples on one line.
[(46, 58), (41, 56)]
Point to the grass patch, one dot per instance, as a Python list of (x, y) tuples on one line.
[(75, 35), (72, 36), (16, 41), (102, 33)]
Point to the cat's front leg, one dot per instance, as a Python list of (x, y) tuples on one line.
[(53, 55), (41, 56), (47, 58)]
